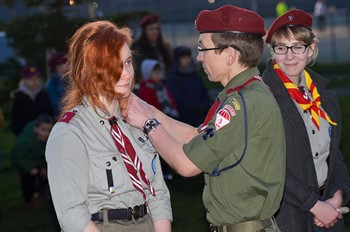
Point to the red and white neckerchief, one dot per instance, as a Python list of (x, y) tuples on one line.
[(304, 102), (132, 162)]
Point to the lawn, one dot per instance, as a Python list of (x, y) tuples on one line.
[(186, 193)]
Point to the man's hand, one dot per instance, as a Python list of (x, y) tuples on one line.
[(137, 112)]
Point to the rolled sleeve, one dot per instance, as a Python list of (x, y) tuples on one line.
[(68, 177)]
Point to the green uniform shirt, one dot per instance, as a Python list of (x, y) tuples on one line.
[(80, 151), (253, 189)]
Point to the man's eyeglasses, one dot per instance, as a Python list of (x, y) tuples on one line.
[(201, 50), (296, 49)]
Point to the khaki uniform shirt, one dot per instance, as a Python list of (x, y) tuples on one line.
[(78, 154), (253, 189)]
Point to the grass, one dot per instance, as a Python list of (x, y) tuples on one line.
[(188, 210)]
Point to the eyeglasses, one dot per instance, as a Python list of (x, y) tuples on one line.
[(201, 50), (296, 49)]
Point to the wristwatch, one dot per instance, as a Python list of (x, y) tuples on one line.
[(150, 125)]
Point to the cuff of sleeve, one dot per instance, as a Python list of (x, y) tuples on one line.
[(75, 220), (309, 203)]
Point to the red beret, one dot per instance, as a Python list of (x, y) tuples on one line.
[(230, 18), (290, 18), (30, 71), (149, 19), (57, 59)]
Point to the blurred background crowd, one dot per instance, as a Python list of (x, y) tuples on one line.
[(33, 40)]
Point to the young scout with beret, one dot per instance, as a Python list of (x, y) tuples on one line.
[(317, 179), (240, 146)]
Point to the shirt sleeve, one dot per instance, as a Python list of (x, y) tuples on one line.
[(160, 205), (68, 177), (222, 141)]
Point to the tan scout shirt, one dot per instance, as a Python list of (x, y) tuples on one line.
[(253, 189), (78, 154)]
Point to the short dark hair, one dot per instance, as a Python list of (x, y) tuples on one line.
[(251, 46)]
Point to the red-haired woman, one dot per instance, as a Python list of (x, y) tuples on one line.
[(104, 174)]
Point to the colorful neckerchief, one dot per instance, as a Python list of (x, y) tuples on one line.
[(304, 102)]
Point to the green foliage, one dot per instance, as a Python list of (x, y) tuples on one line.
[(41, 32)]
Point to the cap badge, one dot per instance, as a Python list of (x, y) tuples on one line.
[(290, 18)]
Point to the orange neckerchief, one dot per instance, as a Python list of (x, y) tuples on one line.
[(305, 103)]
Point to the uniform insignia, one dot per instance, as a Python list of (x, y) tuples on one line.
[(154, 166), (67, 117), (222, 119), (230, 109), (235, 103)]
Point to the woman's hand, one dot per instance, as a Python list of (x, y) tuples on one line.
[(325, 214)]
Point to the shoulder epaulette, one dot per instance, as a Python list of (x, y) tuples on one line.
[(66, 117)]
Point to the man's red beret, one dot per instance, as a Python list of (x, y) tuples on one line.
[(230, 18), (290, 18), (149, 19)]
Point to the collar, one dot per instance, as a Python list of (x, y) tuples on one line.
[(238, 80)]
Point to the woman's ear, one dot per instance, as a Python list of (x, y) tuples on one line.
[(312, 50)]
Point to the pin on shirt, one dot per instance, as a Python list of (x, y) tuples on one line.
[(302, 90)]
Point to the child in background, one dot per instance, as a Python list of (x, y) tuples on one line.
[(186, 85), (30, 100), (154, 92), (28, 156)]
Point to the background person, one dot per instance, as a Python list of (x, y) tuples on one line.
[(186, 85), (55, 86), (30, 100), (28, 156), (317, 180), (240, 145), (104, 174), (320, 13), (151, 45)]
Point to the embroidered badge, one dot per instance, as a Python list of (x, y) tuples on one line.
[(67, 117), (154, 166), (230, 109), (234, 103), (222, 119)]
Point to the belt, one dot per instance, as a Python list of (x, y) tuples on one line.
[(121, 214), (255, 225)]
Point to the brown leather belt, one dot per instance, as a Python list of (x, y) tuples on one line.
[(255, 225), (121, 214)]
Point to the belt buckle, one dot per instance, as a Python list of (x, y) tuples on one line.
[(135, 212), (214, 228)]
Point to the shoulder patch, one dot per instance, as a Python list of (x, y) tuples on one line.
[(222, 119), (67, 117), (234, 102)]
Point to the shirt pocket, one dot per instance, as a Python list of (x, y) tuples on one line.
[(107, 173)]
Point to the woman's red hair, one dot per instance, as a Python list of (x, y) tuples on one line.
[(94, 63)]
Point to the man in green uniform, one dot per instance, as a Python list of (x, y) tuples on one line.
[(240, 146)]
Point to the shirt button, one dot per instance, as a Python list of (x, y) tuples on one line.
[(313, 131), (207, 210), (108, 163), (102, 122), (316, 154)]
